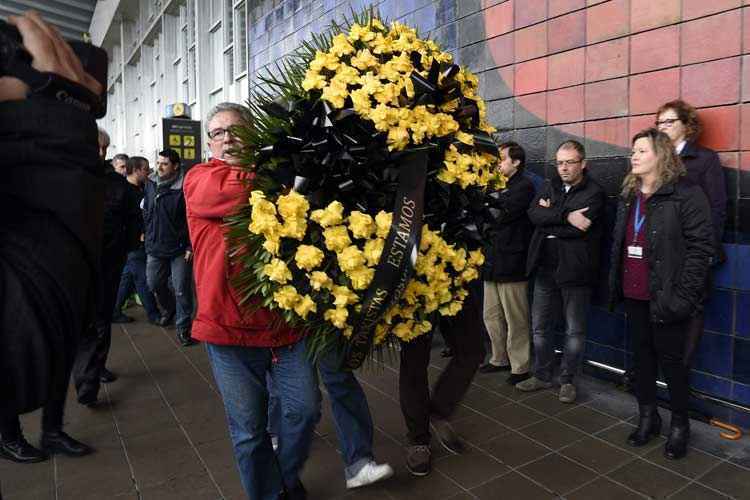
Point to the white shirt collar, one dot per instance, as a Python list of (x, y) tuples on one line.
[(680, 147)]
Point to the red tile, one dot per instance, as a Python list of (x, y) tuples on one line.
[(566, 69), (712, 83), (746, 78), (745, 124), (607, 59), (557, 7), (536, 104), (711, 37), (615, 132), (567, 32), (729, 160), (607, 20), (745, 161), (531, 42), (692, 9), (648, 91), (607, 99), (655, 49), (531, 76), (499, 19), (638, 123), (529, 12), (648, 14), (565, 105), (508, 75), (501, 49), (721, 128), (746, 36)]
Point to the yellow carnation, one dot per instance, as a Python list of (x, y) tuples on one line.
[(383, 222), (361, 277), (451, 309), (287, 297), (359, 32), (313, 80), (294, 228), (308, 257), (292, 205), (305, 306), (364, 59), (341, 45), (320, 280), (337, 316), (330, 216), (361, 225), (476, 258), (342, 296), (272, 246), (277, 271), (350, 258), (336, 238), (373, 250)]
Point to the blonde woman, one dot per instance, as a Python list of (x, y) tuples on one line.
[(661, 253)]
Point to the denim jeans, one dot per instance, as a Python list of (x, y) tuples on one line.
[(549, 301), (240, 374), (351, 413), (158, 270), (134, 278)]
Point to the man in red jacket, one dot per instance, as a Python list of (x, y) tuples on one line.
[(243, 347)]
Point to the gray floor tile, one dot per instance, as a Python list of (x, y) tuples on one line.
[(597, 455), (695, 466), (514, 416), (648, 479), (546, 402), (512, 486), (471, 468), (695, 491), (478, 429), (514, 449), (557, 473), (603, 488), (618, 436), (587, 419), (729, 479), (553, 433)]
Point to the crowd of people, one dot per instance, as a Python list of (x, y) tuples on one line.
[(161, 235)]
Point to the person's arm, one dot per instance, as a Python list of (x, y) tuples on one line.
[(716, 191), (513, 206), (699, 246), (594, 202), (215, 192), (544, 216), (133, 219)]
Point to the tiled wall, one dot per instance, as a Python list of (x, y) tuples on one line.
[(595, 70)]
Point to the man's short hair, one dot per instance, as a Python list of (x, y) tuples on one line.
[(222, 107), (120, 157), (515, 152), (104, 137), (172, 155), (574, 145), (135, 163)]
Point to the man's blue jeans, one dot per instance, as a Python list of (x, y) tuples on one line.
[(158, 270), (240, 373), (549, 301), (351, 413), (134, 278)]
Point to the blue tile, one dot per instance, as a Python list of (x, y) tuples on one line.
[(424, 20), (741, 393), (446, 11), (724, 274), (714, 354), (718, 312), (742, 309), (740, 419), (604, 354), (605, 328), (741, 361), (743, 267), (711, 385), (405, 7)]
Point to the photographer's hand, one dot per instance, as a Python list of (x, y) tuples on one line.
[(49, 52)]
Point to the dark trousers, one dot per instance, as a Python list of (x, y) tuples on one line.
[(134, 279), (93, 348), (659, 345), (467, 334), (52, 415)]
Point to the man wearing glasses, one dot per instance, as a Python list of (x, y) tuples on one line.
[(564, 254)]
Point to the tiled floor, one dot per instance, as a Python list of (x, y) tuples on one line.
[(162, 435)]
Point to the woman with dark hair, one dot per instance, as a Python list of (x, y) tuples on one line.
[(661, 253)]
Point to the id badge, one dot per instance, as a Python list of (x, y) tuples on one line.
[(635, 251)]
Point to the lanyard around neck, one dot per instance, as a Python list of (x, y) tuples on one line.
[(639, 219)]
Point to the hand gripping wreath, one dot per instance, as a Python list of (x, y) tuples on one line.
[(371, 154)]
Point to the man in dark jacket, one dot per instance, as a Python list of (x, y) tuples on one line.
[(564, 253), (122, 231), (506, 302), (51, 201), (168, 247)]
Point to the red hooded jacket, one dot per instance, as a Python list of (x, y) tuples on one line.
[(213, 191)]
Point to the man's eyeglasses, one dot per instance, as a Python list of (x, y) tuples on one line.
[(218, 134), (567, 162), (666, 122)]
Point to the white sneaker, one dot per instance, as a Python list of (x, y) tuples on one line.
[(370, 473), (275, 443)]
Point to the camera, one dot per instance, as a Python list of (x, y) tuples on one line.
[(15, 61)]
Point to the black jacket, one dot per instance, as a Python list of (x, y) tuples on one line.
[(123, 219), (578, 251), (679, 249), (510, 232), (165, 218), (704, 169)]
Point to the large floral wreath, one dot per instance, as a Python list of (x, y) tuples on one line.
[(370, 152)]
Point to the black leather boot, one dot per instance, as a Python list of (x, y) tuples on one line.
[(59, 442), (649, 425), (183, 336), (20, 451), (679, 436)]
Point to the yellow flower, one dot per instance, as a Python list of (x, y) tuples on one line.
[(458, 259), (294, 228), (341, 46), (376, 24), (359, 32), (336, 238), (383, 222), (272, 246), (465, 138), (364, 59), (388, 94), (287, 297), (313, 80), (381, 45), (292, 205), (361, 277), (361, 225), (308, 257), (277, 271), (398, 138), (305, 306), (427, 239), (335, 93), (263, 223), (476, 258), (451, 309), (361, 101), (320, 280), (381, 331), (373, 250), (350, 258), (345, 75), (382, 116), (330, 216), (336, 316), (469, 274), (342, 296), (324, 60)]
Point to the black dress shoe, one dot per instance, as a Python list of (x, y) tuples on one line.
[(59, 442), (649, 426), (185, 339), (516, 378), (490, 368), (107, 376), (20, 451), (90, 399), (679, 436), (122, 318)]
